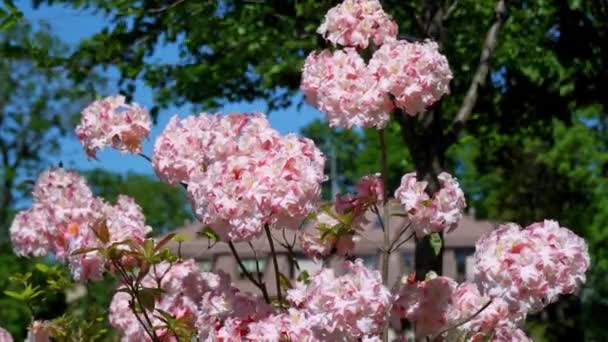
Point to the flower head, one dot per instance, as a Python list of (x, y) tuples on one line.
[(341, 85), (441, 212), (112, 122), (356, 22), (416, 74)]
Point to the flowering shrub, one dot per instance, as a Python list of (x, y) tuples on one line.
[(245, 179)]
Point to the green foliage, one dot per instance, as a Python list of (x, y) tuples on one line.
[(27, 290)]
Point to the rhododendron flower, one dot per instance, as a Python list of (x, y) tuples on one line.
[(529, 268), (425, 303), (354, 305), (369, 191), (65, 217), (341, 85), (183, 287), (38, 332), (355, 22), (206, 301), (187, 146), (292, 325), (268, 179), (416, 74), (440, 213), (5, 336), (482, 315), (112, 122), (30, 233)]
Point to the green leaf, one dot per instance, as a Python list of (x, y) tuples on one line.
[(15, 295), (43, 268), (209, 234), (436, 243), (147, 297), (304, 277), (284, 281)]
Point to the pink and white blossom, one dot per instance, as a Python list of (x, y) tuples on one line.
[(529, 268), (341, 85), (416, 74), (38, 331), (112, 122), (267, 179), (442, 212), (356, 22), (5, 336), (426, 304), (354, 305)]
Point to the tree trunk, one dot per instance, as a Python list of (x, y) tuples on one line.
[(424, 137)]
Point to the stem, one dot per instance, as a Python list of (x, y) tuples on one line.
[(135, 299), (393, 248), (257, 262), (276, 264), (259, 285), (386, 222), (464, 321)]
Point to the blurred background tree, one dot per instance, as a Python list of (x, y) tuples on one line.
[(533, 147)]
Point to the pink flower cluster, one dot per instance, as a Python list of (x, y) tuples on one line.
[(483, 316), (5, 336), (241, 173), (416, 74), (322, 238), (425, 303), (204, 301), (369, 191), (353, 93), (341, 85), (38, 331), (355, 22), (353, 306), (438, 305), (112, 122), (64, 218), (440, 213), (529, 268)]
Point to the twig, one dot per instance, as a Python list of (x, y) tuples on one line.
[(391, 248), (257, 261), (404, 241), (276, 264), (260, 286), (165, 8), (386, 221), (464, 321)]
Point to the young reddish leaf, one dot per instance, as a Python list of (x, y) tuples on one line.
[(164, 241)]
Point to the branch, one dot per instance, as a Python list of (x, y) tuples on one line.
[(260, 286), (479, 78), (464, 321), (276, 264), (165, 8)]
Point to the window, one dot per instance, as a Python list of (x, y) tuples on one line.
[(252, 268), (462, 255)]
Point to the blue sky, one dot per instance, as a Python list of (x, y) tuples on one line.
[(72, 26)]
